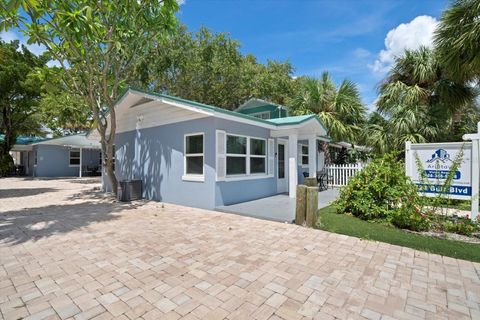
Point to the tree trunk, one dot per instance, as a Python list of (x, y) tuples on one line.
[(111, 176), (6, 160), (326, 152), (109, 160)]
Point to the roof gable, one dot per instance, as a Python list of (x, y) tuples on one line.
[(279, 123)]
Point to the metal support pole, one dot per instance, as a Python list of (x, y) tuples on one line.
[(81, 162)]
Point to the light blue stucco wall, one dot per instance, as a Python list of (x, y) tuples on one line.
[(230, 192), (155, 156), (54, 161)]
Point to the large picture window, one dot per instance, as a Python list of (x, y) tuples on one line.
[(246, 155), (74, 157), (194, 155)]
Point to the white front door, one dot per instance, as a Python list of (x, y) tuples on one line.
[(282, 166)]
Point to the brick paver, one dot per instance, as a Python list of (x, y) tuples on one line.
[(67, 252)]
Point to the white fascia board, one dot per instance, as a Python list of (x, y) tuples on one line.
[(281, 131), (244, 120), (22, 147), (187, 107), (211, 113)]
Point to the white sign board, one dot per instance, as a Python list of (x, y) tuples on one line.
[(429, 166)]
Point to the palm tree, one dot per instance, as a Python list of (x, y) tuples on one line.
[(419, 102), (340, 109), (457, 40)]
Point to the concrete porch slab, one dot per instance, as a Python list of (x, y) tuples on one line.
[(276, 208)]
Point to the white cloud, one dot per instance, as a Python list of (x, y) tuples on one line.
[(361, 53), (411, 35), (9, 36)]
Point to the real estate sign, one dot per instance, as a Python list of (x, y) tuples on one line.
[(431, 165)]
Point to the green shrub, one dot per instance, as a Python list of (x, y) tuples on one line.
[(383, 191), (410, 217), (462, 226), (6, 163)]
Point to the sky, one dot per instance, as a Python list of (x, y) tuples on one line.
[(352, 39)]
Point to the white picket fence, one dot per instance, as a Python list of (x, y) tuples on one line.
[(339, 174)]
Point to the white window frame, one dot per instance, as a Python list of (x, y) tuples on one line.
[(237, 155), (265, 115), (248, 175), (258, 156), (304, 155), (190, 176), (70, 157)]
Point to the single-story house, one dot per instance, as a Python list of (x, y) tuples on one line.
[(69, 156), (198, 155)]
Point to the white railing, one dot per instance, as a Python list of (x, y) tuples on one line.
[(339, 174)]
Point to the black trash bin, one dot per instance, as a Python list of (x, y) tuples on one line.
[(129, 190)]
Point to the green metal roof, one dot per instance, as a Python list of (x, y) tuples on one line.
[(25, 140), (292, 120), (282, 121)]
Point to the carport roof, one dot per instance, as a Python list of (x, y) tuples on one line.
[(75, 140), (25, 140)]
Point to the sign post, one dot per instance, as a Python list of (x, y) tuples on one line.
[(475, 138), (448, 169)]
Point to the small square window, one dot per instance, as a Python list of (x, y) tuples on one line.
[(74, 157)]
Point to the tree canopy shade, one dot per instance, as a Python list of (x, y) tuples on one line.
[(420, 104), (340, 108), (209, 68), (99, 45), (19, 97), (457, 40), (60, 110)]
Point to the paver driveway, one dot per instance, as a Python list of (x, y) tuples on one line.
[(69, 252)]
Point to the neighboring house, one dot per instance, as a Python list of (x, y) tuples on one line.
[(68, 156), (262, 109), (202, 156)]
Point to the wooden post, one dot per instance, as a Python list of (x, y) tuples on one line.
[(310, 182), (312, 206), (300, 207)]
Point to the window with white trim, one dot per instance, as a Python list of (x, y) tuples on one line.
[(304, 155), (258, 156), (194, 155), (262, 115), (246, 155), (236, 155), (74, 157)]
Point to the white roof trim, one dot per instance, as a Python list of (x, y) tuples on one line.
[(213, 113)]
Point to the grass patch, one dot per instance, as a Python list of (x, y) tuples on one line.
[(329, 220)]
